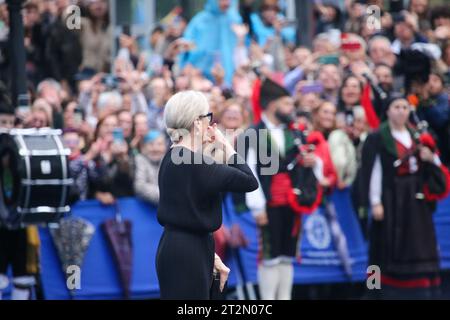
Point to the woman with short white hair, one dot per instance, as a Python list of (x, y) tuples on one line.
[(190, 207)]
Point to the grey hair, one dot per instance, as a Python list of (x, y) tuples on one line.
[(109, 98), (379, 38), (180, 112), (48, 82)]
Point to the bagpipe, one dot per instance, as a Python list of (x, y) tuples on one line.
[(434, 181), (296, 185)]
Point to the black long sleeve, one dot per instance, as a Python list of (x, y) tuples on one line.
[(235, 176), (190, 194)]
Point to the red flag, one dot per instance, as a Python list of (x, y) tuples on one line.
[(366, 102), (256, 102)]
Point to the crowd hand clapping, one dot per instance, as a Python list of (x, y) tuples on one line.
[(278, 25), (105, 198), (360, 69), (173, 49), (218, 73), (122, 67), (135, 141), (256, 52), (310, 64), (94, 150), (92, 85), (126, 41), (119, 149), (86, 130), (442, 32), (241, 31), (412, 19), (134, 80), (386, 21), (178, 46)]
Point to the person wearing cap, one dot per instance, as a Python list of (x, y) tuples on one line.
[(401, 179), (278, 222), (147, 163)]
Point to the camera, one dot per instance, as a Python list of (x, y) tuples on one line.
[(111, 81)]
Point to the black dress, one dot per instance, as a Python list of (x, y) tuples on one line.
[(190, 209), (404, 242)]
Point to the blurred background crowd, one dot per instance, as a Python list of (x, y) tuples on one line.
[(106, 89)]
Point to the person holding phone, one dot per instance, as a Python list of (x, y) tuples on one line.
[(112, 156), (190, 205), (147, 162)]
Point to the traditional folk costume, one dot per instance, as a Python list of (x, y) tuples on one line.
[(403, 244), (278, 195)]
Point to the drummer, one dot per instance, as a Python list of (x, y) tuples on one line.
[(14, 241)]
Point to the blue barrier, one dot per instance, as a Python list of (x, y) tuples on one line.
[(99, 278), (319, 260)]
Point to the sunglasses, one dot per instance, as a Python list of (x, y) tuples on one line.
[(208, 115)]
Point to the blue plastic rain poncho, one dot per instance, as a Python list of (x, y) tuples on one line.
[(264, 32), (214, 39)]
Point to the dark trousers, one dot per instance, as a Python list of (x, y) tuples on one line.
[(277, 237), (13, 251)]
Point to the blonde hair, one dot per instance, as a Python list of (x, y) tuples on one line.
[(180, 112), (41, 104)]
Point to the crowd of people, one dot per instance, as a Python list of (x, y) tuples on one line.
[(343, 85)]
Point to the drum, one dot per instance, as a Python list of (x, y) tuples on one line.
[(40, 168)]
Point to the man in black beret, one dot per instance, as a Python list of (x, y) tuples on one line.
[(268, 157)]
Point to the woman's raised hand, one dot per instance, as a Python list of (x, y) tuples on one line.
[(217, 138)]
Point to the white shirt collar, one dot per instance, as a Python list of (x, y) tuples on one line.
[(270, 125)]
